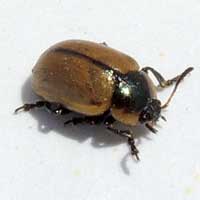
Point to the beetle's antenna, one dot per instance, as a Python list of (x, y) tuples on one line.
[(181, 77), (163, 118)]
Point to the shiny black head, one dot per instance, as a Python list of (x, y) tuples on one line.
[(151, 112)]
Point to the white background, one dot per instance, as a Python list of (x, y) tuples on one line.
[(40, 159)]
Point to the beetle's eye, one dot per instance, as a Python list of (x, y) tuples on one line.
[(147, 116)]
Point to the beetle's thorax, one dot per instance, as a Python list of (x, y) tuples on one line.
[(133, 91)]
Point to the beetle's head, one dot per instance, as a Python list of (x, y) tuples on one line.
[(151, 112)]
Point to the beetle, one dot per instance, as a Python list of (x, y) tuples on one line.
[(103, 84)]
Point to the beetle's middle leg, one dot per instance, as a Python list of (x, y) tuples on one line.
[(108, 121), (92, 120), (162, 82)]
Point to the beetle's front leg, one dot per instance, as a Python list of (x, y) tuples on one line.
[(124, 133), (151, 128), (162, 82)]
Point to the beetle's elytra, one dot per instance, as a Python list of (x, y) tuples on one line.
[(100, 82)]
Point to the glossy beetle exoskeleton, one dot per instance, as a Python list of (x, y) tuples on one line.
[(102, 83)]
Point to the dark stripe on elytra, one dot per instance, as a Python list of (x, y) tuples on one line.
[(98, 63)]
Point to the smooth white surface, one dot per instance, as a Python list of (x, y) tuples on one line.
[(88, 163)]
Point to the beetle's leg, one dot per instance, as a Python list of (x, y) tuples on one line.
[(53, 107), (87, 120), (92, 120), (109, 121), (162, 82), (57, 109), (27, 107), (129, 136), (104, 43), (151, 128), (124, 133), (134, 150)]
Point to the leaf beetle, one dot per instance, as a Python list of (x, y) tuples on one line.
[(101, 83)]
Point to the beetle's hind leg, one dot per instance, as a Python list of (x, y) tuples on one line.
[(55, 108), (162, 82), (28, 107)]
